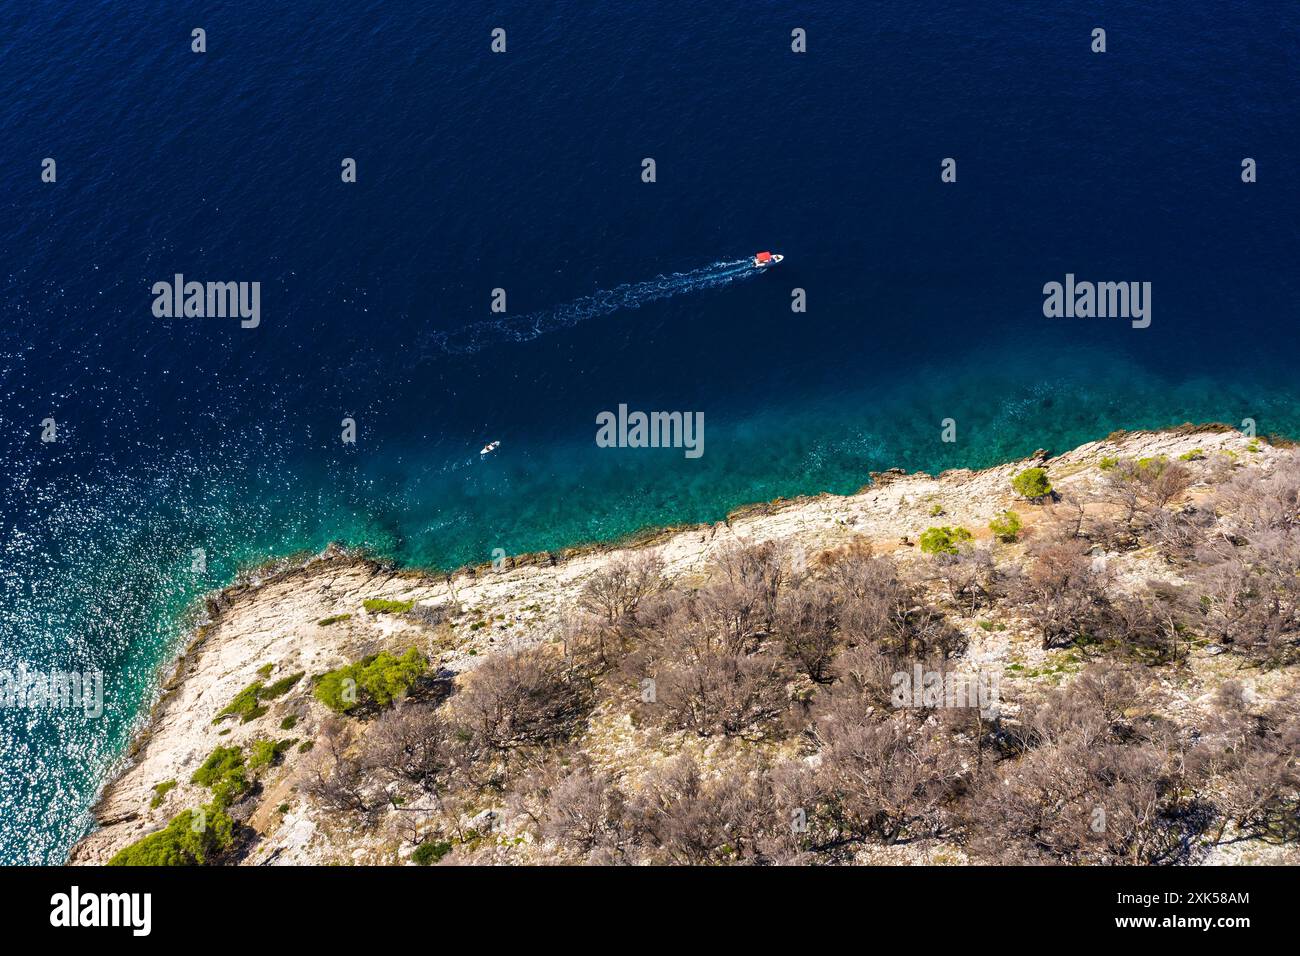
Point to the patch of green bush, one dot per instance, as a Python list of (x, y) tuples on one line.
[(247, 704), (430, 851), (280, 687), (1032, 483), (375, 679), (333, 619), (943, 540), (1196, 454), (244, 706), (382, 606), (267, 753), (1108, 462), (1006, 526), (188, 840), (223, 774), (289, 722), (160, 790)]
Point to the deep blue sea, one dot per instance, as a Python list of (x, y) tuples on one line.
[(523, 171)]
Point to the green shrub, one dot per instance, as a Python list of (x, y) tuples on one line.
[(267, 753), (936, 510), (943, 540), (1006, 526), (280, 687), (430, 851), (1108, 462), (223, 774), (247, 704), (386, 676), (289, 722), (181, 842), (160, 790), (1196, 454), (244, 706), (265, 670), (1032, 483), (376, 679), (382, 606), (333, 619), (338, 689)]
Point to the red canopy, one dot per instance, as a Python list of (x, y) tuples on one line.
[(763, 256)]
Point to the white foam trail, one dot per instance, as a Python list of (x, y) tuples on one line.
[(631, 295)]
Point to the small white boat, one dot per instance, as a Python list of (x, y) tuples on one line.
[(763, 260), (489, 448)]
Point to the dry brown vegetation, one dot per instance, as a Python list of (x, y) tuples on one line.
[(780, 667)]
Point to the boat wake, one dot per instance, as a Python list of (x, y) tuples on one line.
[(524, 328)]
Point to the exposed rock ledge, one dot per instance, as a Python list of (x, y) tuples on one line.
[(274, 620)]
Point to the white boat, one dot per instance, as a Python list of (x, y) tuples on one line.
[(763, 260), (489, 448)]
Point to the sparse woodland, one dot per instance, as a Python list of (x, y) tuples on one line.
[(764, 691)]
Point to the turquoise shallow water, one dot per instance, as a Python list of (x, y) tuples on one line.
[(137, 594)]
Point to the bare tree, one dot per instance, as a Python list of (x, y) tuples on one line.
[(1144, 487), (409, 744), (615, 592), (336, 777), (1180, 534), (585, 812), (1067, 515), (1250, 758), (1251, 596), (808, 624), (884, 781), (718, 692), (968, 576), (757, 573), (1089, 786), (1064, 592), (519, 701), (683, 818)]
